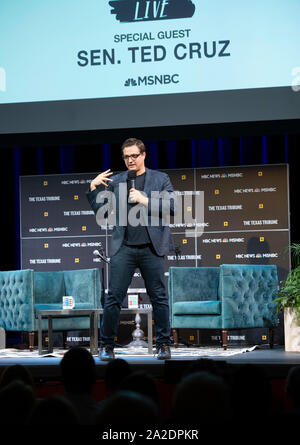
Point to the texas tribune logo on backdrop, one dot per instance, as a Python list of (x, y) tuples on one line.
[(150, 10)]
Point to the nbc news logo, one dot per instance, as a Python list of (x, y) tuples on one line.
[(130, 83)]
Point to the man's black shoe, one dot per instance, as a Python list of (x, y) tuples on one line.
[(106, 353), (163, 352)]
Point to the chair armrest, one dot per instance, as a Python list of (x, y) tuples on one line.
[(247, 294), (17, 300)]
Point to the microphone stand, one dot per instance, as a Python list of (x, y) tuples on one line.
[(106, 260), (177, 253)]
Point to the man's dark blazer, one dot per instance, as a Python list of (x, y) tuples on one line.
[(156, 215)]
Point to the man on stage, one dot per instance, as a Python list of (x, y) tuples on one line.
[(140, 239)]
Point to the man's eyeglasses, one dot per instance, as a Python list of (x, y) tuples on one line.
[(134, 156)]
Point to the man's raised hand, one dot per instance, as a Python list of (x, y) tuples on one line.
[(102, 178)]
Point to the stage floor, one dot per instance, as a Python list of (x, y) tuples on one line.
[(275, 361)]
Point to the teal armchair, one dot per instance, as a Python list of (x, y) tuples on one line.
[(232, 296), (24, 292)]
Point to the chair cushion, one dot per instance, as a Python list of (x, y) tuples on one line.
[(16, 299), (197, 308)]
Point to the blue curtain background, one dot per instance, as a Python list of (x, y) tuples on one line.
[(189, 153)]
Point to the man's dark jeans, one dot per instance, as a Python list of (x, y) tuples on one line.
[(122, 267)]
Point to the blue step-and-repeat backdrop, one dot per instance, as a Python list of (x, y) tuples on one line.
[(227, 215)]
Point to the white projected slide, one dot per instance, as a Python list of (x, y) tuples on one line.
[(60, 50), (182, 61)]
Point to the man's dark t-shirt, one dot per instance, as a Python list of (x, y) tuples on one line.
[(137, 235)]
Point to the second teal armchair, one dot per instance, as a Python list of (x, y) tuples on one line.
[(232, 296)]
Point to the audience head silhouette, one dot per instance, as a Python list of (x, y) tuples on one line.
[(200, 398), (129, 409), (55, 410), (16, 403), (142, 383), (78, 370), (115, 372), (16, 372)]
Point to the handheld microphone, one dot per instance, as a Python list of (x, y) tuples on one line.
[(105, 260), (131, 179), (102, 256)]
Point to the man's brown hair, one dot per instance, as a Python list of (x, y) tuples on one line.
[(133, 141)]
